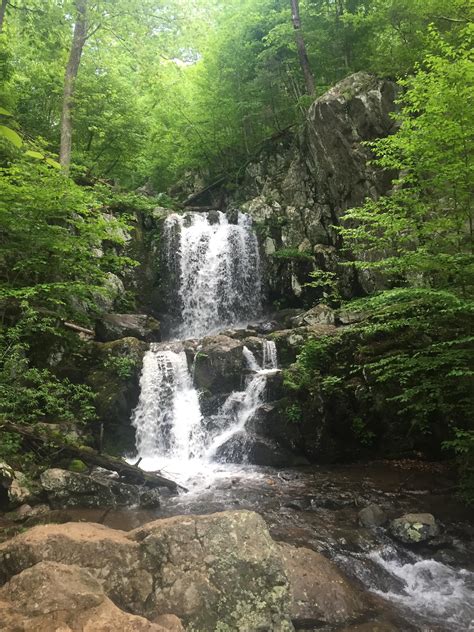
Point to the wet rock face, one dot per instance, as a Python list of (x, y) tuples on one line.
[(218, 364), (217, 572), (302, 185), (115, 326), (113, 371), (414, 528), (70, 489)]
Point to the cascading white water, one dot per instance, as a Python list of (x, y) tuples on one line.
[(241, 407), (430, 589), (170, 429), (216, 268), (168, 417)]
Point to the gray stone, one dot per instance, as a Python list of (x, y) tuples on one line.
[(414, 528), (221, 571), (304, 182), (115, 326), (66, 489), (218, 364), (372, 516), (318, 315)]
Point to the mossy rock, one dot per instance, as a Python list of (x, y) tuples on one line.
[(78, 466)]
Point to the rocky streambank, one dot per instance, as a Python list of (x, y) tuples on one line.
[(340, 548)]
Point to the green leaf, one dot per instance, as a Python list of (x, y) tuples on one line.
[(11, 136), (53, 163), (34, 154), (4, 112)]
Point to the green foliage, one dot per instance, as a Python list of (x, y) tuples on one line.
[(43, 213), (121, 366), (292, 254), (414, 348), (423, 230), (328, 283), (293, 412), (365, 436)]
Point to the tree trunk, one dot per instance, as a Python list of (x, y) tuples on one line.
[(78, 40), (302, 52), (3, 10)]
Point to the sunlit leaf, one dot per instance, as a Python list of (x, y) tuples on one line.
[(11, 136)]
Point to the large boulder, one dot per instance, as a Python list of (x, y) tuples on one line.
[(414, 528), (115, 326), (320, 594), (218, 364), (249, 447), (318, 315), (217, 572), (109, 556), (70, 489), (15, 488), (51, 596)]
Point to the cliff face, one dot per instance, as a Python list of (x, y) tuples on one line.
[(302, 183)]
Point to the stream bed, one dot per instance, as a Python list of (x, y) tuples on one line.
[(427, 588)]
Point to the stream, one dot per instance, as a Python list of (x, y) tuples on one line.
[(213, 260), (215, 263)]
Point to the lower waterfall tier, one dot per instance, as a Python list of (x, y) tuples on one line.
[(171, 429)]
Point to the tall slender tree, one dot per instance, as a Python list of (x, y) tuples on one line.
[(78, 40), (301, 46), (3, 10)]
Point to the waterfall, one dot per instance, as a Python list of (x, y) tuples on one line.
[(168, 417), (215, 268), (241, 407), (270, 359)]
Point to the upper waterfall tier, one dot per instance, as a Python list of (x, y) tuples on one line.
[(215, 267)]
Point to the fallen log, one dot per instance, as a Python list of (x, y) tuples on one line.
[(79, 329), (129, 473)]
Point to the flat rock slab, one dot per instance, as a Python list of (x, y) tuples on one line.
[(321, 595)]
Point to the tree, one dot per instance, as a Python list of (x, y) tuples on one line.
[(72, 68), (3, 10), (301, 46)]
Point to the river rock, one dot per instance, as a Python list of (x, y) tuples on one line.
[(414, 528), (372, 516), (70, 489), (217, 572), (115, 326), (110, 557), (320, 594), (54, 596), (218, 364)]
